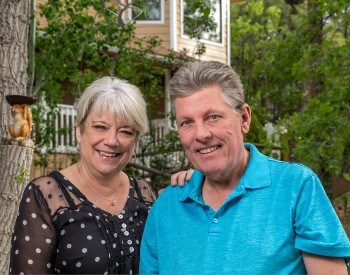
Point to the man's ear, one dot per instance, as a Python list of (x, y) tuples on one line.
[(246, 118)]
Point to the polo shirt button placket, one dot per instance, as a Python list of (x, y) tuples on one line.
[(214, 228)]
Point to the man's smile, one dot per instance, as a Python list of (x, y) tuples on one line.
[(209, 149)]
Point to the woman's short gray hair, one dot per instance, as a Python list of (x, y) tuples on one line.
[(197, 75), (117, 97)]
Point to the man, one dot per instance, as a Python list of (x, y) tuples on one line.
[(241, 212)]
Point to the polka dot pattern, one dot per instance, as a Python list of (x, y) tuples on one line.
[(63, 232)]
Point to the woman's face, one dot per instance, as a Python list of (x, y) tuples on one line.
[(106, 144)]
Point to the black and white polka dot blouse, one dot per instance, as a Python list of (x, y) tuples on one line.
[(59, 231)]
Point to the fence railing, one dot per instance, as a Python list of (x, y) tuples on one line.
[(65, 139)]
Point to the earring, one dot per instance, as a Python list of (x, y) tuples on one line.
[(78, 147)]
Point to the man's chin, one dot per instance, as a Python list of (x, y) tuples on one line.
[(210, 172)]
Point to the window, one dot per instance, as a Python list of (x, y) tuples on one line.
[(194, 16), (148, 11)]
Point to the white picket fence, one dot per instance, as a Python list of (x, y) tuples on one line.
[(65, 129)]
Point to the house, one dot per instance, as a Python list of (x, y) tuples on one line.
[(165, 19)]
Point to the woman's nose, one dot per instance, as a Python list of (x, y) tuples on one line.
[(112, 139)]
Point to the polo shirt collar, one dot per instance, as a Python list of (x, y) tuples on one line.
[(193, 188), (257, 175)]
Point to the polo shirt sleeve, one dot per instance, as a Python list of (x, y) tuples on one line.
[(317, 227), (149, 251)]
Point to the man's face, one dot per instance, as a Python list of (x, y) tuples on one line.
[(212, 132)]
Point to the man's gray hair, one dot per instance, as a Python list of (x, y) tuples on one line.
[(197, 75), (117, 97)]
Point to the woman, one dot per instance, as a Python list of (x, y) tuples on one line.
[(89, 217)]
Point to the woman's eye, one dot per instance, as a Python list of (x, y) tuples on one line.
[(126, 132), (100, 127)]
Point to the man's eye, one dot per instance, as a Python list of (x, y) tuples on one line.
[(213, 117), (186, 123)]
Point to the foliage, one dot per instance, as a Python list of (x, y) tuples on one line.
[(294, 62), (320, 133), (76, 45), (199, 20), (166, 155), (21, 177), (79, 41)]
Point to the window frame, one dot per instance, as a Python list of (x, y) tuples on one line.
[(158, 21), (204, 40)]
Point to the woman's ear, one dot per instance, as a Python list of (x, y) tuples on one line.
[(246, 118), (78, 133)]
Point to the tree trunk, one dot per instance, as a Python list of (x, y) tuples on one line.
[(18, 162), (14, 160), (339, 185)]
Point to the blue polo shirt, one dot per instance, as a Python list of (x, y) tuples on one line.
[(277, 210)]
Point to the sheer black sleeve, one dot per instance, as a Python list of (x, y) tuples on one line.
[(34, 237)]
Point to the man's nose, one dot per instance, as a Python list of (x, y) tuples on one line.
[(202, 132)]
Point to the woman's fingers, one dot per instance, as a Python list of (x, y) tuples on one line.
[(179, 178)]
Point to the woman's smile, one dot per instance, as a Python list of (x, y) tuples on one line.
[(108, 154)]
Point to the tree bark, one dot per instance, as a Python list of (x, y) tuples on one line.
[(339, 185), (14, 26), (14, 160), (18, 162)]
